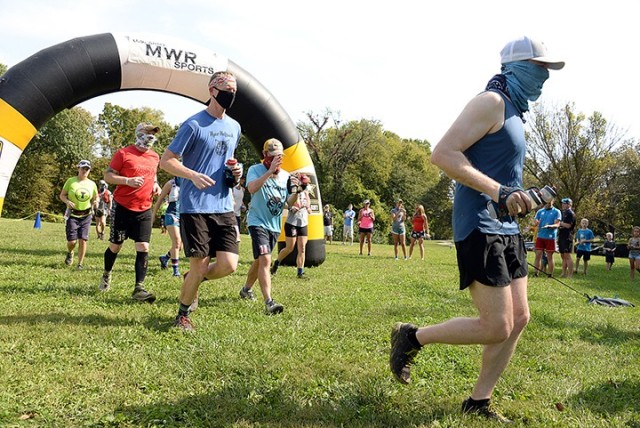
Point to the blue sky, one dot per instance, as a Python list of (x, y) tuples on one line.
[(412, 65)]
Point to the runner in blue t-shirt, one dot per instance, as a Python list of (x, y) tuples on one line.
[(198, 153), (270, 191)]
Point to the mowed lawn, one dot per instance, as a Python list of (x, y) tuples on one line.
[(71, 356)]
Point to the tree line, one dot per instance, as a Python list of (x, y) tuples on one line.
[(586, 158)]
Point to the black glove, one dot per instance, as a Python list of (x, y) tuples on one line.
[(503, 211)]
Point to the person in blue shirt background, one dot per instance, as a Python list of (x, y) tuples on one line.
[(584, 238), (547, 219)]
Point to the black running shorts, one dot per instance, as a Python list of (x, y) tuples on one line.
[(205, 234), (493, 260)]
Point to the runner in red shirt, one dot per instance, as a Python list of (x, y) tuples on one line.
[(133, 171)]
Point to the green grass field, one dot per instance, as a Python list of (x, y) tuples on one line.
[(71, 356)]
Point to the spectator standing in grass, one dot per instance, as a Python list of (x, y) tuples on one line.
[(484, 152), (609, 250), (565, 237), (366, 217), (547, 221), (634, 252), (327, 221), (398, 229), (347, 231), (420, 230), (584, 238)]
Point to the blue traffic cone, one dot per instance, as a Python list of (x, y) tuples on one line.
[(38, 223)]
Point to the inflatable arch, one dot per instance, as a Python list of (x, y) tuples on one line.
[(74, 71)]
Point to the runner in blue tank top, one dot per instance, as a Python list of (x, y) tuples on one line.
[(484, 152)]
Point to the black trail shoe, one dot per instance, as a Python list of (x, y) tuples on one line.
[(403, 352), (485, 410)]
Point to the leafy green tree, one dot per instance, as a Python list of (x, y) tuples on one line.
[(617, 203), (32, 187), (48, 160), (3, 69), (438, 205), (359, 160), (570, 151)]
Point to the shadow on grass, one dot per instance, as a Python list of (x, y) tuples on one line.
[(63, 318), (245, 406), (599, 334), (609, 398), (32, 252)]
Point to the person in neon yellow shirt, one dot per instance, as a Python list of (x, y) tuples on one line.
[(80, 195)]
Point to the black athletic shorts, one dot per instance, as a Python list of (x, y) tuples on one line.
[(263, 241), (565, 245), (582, 253), (291, 231), (205, 234), (127, 224), (493, 260)]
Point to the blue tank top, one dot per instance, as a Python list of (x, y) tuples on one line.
[(500, 156)]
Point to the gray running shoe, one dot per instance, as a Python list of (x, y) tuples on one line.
[(105, 282), (183, 323), (143, 296), (69, 259), (402, 352), (247, 294), (80, 267), (273, 308)]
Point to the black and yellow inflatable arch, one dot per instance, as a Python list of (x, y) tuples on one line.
[(69, 73)]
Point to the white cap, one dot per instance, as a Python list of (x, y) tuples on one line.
[(525, 48)]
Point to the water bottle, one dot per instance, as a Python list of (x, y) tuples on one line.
[(538, 198)]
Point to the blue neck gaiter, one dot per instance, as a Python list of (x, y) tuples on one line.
[(524, 82)]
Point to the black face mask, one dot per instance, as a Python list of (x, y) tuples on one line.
[(225, 98)]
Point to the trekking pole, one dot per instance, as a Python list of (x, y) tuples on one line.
[(553, 277)]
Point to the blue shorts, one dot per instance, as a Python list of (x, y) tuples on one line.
[(172, 220), (263, 241), (78, 228)]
